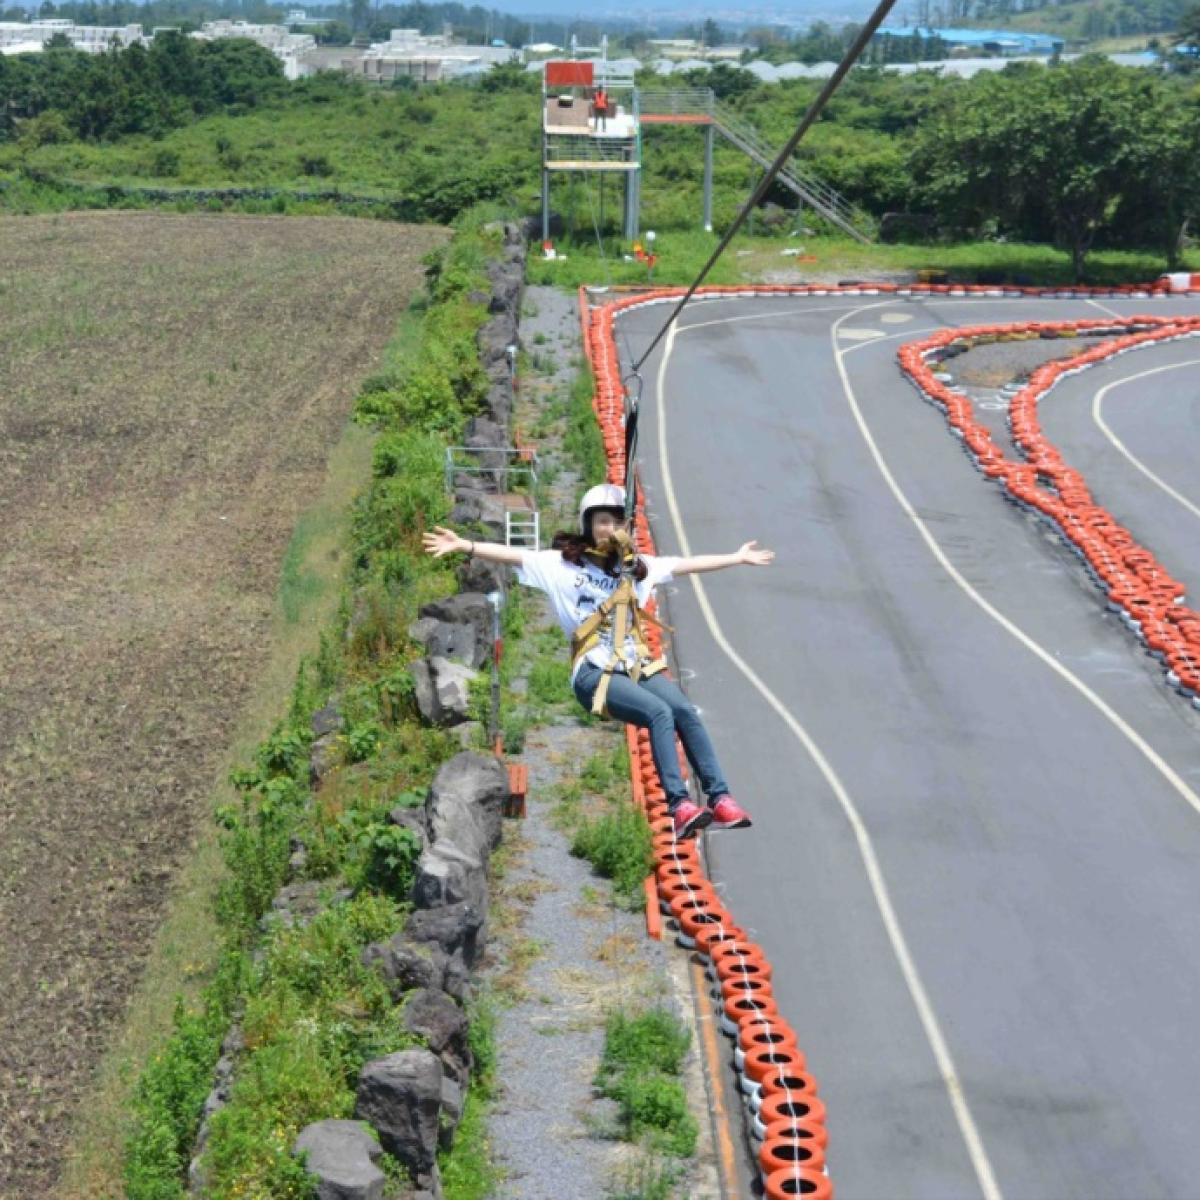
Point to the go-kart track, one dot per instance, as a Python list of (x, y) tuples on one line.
[(975, 864)]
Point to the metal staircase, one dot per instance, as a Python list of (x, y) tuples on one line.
[(700, 106)]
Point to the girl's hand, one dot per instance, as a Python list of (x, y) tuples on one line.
[(443, 541), (752, 556)]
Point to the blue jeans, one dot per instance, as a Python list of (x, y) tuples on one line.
[(657, 704)]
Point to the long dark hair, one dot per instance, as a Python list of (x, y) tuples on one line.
[(573, 546)]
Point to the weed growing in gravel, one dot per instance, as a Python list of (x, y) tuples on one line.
[(642, 1057), (617, 844), (584, 442), (649, 1178), (655, 1040), (550, 681)]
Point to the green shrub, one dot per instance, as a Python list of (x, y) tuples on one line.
[(643, 1054), (389, 854), (654, 1040), (617, 844), (172, 1089), (654, 1107), (550, 681)]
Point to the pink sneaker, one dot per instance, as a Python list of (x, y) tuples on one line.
[(729, 814), (689, 819)]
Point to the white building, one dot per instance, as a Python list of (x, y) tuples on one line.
[(288, 47), (427, 58), (18, 37)]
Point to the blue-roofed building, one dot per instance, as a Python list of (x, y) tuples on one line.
[(1004, 42)]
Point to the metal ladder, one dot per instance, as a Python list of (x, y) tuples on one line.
[(523, 528)]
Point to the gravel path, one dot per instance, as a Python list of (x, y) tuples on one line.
[(565, 954)]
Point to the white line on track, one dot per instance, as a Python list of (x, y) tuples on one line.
[(1097, 402), (1122, 726), (1112, 312), (784, 312), (907, 333), (866, 847)]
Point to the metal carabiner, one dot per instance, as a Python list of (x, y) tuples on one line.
[(632, 398)]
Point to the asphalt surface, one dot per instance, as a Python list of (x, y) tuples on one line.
[(1041, 862)]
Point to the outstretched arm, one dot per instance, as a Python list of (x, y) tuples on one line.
[(444, 541), (749, 555)]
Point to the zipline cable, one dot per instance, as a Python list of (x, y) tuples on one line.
[(814, 111)]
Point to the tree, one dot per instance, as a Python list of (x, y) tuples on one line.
[(1163, 183), (726, 81), (1038, 150), (1188, 31), (1186, 42)]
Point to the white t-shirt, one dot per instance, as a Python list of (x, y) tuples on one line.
[(577, 591)]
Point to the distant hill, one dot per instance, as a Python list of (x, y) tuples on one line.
[(1084, 20)]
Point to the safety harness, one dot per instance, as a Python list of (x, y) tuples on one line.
[(625, 617)]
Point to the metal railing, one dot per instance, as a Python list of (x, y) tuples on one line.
[(523, 471), (797, 178), (569, 147), (686, 102)]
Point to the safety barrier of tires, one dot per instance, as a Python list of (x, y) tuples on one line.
[(787, 1117), (1149, 601)]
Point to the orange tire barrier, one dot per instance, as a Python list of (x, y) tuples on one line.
[(799, 1129), (780, 1152), (797, 1181), (773, 1062), (761, 1035), (782, 1106), (1135, 585), (746, 985), (710, 939), (738, 969), (1139, 589), (744, 1005)]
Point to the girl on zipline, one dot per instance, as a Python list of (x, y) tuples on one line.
[(598, 588)]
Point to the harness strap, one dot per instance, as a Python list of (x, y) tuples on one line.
[(622, 611)]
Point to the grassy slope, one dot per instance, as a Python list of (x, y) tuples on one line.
[(829, 259)]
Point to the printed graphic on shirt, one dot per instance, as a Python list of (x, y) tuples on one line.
[(576, 591)]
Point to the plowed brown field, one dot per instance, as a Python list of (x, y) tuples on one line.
[(170, 388)]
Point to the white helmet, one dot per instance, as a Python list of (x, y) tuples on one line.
[(603, 495)]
